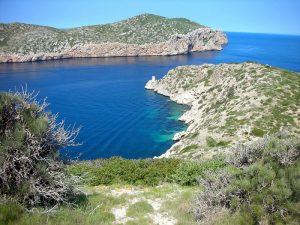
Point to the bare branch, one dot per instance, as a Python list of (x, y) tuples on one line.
[(28, 159)]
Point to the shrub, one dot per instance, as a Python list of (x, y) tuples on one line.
[(278, 147), (30, 171), (211, 142), (114, 170), (260, 182), (213, 198), (230, 93), (189, 148), (149, 172), (257, 132), (188, 172)]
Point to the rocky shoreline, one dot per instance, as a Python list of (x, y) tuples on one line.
[(202, 39), (229, 104)]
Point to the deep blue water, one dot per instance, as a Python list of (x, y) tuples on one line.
[(106, 96)]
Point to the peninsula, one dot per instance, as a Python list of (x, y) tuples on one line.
[(230, 104), (143, 35)]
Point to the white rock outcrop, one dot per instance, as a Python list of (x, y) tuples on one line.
[(228, 103)]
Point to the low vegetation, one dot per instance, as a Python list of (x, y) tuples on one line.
[(211, 142), (147, 28), (230, 103), (260, 185), (30, 172), (146, 172), (113, 205), (255, 184), (254, 181)]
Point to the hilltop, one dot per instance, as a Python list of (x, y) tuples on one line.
[(145, 34), (230, 104)]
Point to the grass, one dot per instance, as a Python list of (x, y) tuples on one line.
[(139, 209), (189, 148), (211, 142), (257, 132), (180, 207), (96, 211), (188, 172), (193, 135), (99, 207), (139, 221), (175, 180)]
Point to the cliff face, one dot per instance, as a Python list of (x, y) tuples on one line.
[(230, 104), (139, 36)]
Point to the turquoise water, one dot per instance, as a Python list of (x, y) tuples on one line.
[(106, 96)]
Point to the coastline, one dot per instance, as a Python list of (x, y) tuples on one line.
[(150, 85), (202, 39), (230, 104)]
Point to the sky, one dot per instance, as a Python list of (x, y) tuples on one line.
[(256, 16)]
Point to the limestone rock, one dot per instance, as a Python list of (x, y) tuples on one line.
[(179, 135), (147, 35), (229, 104)]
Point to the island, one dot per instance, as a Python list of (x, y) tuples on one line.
[(143, 35)]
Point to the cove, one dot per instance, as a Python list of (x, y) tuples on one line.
[(106, 96)]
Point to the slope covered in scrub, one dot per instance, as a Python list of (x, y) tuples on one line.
[(230, 103), (146, 34)]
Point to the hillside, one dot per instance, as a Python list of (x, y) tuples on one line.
[(230, 104), (145, 34)]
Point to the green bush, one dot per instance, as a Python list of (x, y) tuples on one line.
[(267, 190), (149, 172), (211, 142), (189, 148), (257, 132), (188, 172), (117, 170), (261, 182)]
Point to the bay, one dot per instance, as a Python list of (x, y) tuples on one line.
[(106, 96)]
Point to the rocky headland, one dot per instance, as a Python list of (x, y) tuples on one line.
[(143, 35), (230, 104)]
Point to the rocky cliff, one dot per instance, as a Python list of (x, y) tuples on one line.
[(141, 35), (230, 104)]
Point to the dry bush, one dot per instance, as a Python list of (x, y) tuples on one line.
[(213, 198), (260, 183), (278, 146), (30, 169)]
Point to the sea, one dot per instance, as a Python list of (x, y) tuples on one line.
[(107, 99)]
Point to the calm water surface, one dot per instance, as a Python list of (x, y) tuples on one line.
[(106, 96)]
